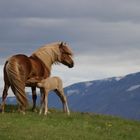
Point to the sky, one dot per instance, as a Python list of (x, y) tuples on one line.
[(103, 34)]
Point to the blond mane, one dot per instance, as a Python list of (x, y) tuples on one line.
[(50, 53)]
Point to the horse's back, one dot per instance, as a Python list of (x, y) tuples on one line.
[(58, 82), (58, 79), (21, 62), (51, 83), (20, 58), (55, 80)]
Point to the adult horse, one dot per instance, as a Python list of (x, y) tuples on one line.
[(21, 70)]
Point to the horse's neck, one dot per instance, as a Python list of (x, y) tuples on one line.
[(38, 66), (48, 56), (48, 62), (45, 62)]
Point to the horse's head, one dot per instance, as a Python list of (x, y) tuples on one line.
[(66, 55)]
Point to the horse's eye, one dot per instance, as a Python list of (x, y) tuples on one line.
[(67, 53)]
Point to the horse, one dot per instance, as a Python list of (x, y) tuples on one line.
[(46, 85), (19, 70)]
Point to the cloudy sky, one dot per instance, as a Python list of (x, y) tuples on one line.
[(104, 34)]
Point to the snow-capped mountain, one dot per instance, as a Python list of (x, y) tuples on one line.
[(116, 96)]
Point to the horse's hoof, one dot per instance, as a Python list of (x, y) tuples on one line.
[(49, 112), (45, 114), (22, 112), (1, 111), (68, 113), (34, 110)]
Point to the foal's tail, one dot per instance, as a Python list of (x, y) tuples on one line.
[(16, 80)]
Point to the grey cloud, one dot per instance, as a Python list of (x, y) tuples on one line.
[(91, 37), (105, 31), (104, 10)]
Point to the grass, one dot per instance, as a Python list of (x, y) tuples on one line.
[(59, 126)]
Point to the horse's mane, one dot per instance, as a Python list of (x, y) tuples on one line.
[(50, 53)]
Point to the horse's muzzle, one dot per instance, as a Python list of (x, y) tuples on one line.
[(71, 65)]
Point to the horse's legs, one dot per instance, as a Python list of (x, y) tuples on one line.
[(42, 100), (4, 95), (61, 95), (34, 97), (46, 102), (21, 98), (21, 109)]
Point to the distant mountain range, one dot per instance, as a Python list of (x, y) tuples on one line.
[(115, 96)]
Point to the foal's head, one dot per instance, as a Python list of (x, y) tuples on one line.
[(66, 55)]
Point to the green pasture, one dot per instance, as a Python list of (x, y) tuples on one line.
[(59, 126)]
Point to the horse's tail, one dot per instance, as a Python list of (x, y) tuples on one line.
[(16, 79)]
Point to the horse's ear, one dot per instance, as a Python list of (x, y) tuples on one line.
[(61, 44)]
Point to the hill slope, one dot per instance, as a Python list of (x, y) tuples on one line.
[(116, 96), (57, 125)]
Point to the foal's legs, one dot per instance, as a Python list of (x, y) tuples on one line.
[(61, 95), (46, 103), (34, 97), (4, 95), (42, 97)]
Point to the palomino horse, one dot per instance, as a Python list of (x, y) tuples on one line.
[(47, 85), (19, 69)]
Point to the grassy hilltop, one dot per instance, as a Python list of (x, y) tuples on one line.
[(58, 126)]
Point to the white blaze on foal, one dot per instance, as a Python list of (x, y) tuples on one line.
[(47, 85)]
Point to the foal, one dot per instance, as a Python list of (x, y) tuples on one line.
[(49, 84)]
